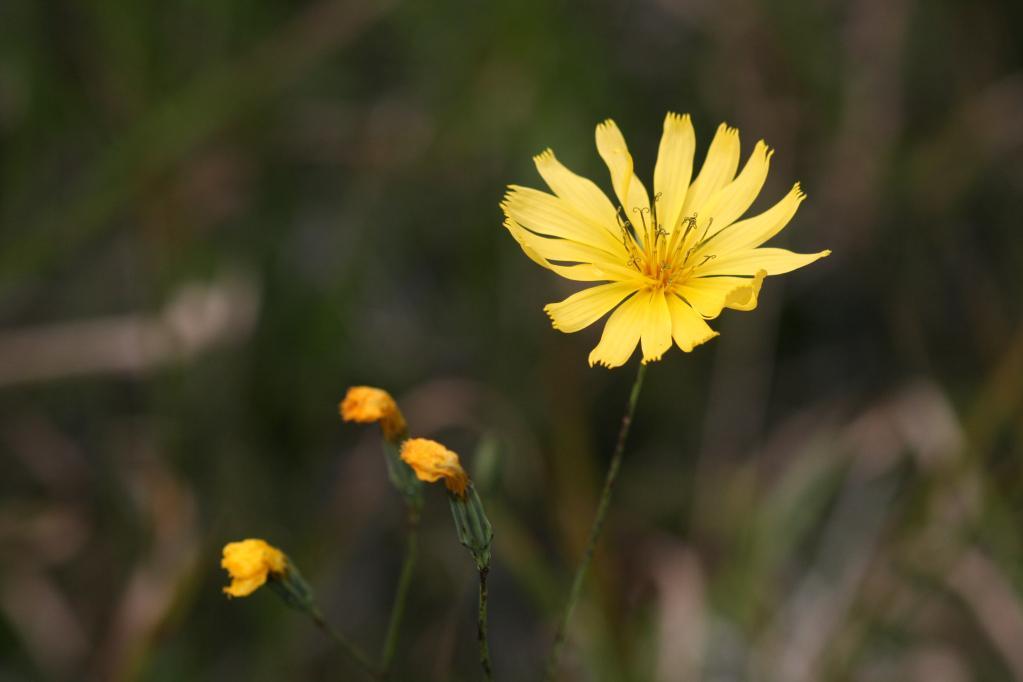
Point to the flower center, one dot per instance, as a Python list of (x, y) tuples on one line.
[(666, 259)]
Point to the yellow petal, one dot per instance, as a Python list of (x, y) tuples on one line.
[(621, 333), (773, 261), (432, 462), (585, 307), (747, 297), (752, 232), (729, 203), (583, 272), (709, 295), (656, 336), (687, 327), (243, 587), (366, 404), (631, 193), (558, 249), (717, 171), (545, 213), (674, 168), (249, 563), (581, 194)]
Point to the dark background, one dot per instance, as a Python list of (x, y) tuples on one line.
[(216, 216)]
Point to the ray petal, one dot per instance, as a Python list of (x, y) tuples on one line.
[(621, 333), (748, 263), (674, 168), (687, 327), (565, 250), (717, 171), (710, 295), (656, 335), (752, 232), (583, 272), (729, 203), (547, 214), (585, 307), (580, 193), (630, 191)]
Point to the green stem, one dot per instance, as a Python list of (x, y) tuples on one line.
[(598, 525), (401, 592), (349, 647), (481, 627)]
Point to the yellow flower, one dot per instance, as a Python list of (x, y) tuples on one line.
[(250, 563), (432, 461), (366, 404), (670, 265)]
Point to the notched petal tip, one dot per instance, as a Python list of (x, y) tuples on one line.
[(544, 156), (549, 311), (674, 119), (700, 341), (725, 129)]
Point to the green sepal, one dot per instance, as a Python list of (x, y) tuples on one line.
[(292, 588), (472, 525)]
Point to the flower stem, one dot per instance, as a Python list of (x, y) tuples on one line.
[(401, 592), (481, 627), (349, 647), (598, 524)]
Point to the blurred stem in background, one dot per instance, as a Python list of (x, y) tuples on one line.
[(353, 651), (413, 511), (598, 524)]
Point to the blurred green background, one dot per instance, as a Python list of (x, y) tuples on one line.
[(216, 216)]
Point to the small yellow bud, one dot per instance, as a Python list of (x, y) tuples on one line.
[(250, 563), (365, 404), (432, 461)]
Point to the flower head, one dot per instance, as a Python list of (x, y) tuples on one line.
[(250, 563), (366, 404), (432, 461), (667, 265)]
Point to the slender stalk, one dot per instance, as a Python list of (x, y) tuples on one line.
[(481, 627), (401, 592), (598, 525), (349, 647)]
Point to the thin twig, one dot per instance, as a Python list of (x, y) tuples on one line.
[(598, 524), (481, 628)]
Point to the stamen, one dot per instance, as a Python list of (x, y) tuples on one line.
[(653, 212), (622, 221), (707, 229), (646, 229), (678, 238), (629, 242)]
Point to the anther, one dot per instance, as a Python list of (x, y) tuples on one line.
[(641, 211)]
